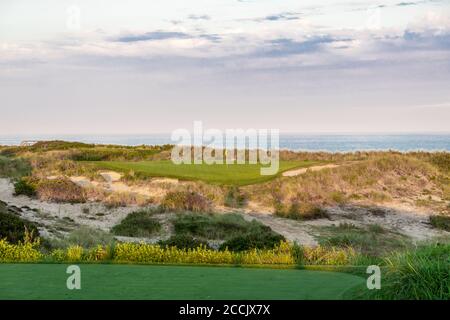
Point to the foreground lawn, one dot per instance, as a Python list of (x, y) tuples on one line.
[(48, 281), (236, 174)]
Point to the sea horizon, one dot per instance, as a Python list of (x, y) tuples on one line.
[(330, 142)]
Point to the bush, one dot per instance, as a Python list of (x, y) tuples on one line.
[(23, 251), (24, 187), (301, 211), (85, 237), (440, 222), (183, 241), (185, 201), (14, 168), (123, 199), (137, 224), (234, 198), (216, 226), (14, 228), (262, 239), (147, 253), (60, 190)]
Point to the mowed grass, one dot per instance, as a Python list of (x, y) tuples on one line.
[(48, 281), (225, 174)]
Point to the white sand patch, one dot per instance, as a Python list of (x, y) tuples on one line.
[(111, 176), (91, 214)]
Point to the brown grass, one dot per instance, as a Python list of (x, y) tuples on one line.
[(380, 179), (60, 190)]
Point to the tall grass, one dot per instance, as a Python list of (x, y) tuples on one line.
[(419, 274), (373, 240)]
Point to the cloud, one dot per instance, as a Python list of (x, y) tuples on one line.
[(284, 16), (286, 46), (199, 17), (211, 37), (153, 36), (405, 4)]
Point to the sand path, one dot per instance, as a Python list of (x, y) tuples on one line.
[(297, 172)]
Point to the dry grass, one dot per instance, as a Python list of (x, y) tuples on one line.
[(379, 179), (363, 177), (182, 201), (60, 190)]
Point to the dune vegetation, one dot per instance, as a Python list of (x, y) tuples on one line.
[(132, 205)]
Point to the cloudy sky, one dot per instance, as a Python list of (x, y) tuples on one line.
[(111, 66)]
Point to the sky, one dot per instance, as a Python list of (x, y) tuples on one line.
[(310, 66)]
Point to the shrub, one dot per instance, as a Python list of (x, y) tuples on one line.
[(440, 222), (185, 201), (183, 241), (234, 198), (14, 168), (74, 253), (24, 187), (14, 228), (85, 237), (218, 226), (281, 254), (210, 226), (60, 190), (147, 253), (301, 211), (123, 199), (137, 224), (264, 239), (23, 251)]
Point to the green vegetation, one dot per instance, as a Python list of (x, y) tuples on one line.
[(13, 228), (235, 174), (239, 234), (79, 151), (183, 241), (138, 224), (43, 281), (419, 274), (24, 187), (440, 222), (373, 240), (264, 239), (234, 198), (14, 167), (84, 237)]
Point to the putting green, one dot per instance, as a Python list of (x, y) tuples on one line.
[(235, 174), (48, 281)]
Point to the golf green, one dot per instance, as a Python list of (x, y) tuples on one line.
[(232, 174), (109, 281)]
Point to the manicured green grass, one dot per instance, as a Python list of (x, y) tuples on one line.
[(233, 174), (48, 281)]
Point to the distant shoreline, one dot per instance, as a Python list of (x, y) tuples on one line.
[(293, 142)]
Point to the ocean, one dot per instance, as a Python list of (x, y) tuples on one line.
[(306, 142)]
